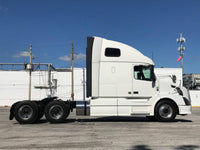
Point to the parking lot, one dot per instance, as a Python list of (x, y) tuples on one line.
[(134, 133)]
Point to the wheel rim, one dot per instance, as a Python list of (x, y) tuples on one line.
[(56, 112), (25, 112), (166, 111)]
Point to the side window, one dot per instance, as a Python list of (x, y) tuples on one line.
[(142, 73), (112, 52)]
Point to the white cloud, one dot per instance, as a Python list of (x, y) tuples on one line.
[(65, 58), (21, 54), (3, 9), (79, 56)]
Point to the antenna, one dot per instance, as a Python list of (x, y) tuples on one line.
[(181, 49)]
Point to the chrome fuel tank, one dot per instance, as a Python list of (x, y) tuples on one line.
[(83, 108)]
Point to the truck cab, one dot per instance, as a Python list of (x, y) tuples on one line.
[(121, 82)]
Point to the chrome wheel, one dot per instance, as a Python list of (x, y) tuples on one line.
[(25, 112), (165, 111)]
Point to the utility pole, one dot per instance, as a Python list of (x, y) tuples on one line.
[(49, 80), (84, 84), (181, 49), (72, 94), (152, 55), (30, 70)]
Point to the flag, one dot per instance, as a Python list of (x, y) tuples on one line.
[(179, 59)]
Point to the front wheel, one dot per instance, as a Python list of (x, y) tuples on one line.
[(56, 111), (165, 111)]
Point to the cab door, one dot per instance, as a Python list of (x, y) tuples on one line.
[(143, 88), (143, 82)]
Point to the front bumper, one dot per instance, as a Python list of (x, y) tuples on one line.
[(184, 110)]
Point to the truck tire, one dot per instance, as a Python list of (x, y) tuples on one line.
[(56, 111), (26, 112), (165, 111), (40, 114)]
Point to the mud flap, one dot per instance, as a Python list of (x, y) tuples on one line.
[(12, 111)]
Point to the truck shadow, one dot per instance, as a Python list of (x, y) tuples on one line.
[(181, 147), (187, 147), (111, 119), (120, 119)]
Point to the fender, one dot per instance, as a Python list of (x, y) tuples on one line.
[(175, 98), (45, 101)]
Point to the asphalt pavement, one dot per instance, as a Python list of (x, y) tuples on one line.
[(84, 132)]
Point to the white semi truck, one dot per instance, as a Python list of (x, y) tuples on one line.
[(120, 82)]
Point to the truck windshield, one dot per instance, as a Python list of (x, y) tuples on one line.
[(144, 73)]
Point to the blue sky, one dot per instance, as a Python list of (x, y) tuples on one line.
[(150, 26)]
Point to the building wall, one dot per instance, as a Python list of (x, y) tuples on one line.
[(64, 84), (195, 97), (14, 85)]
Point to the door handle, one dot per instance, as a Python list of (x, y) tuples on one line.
[(135, 92)]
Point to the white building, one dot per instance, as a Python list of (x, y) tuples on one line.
[(14, 85)]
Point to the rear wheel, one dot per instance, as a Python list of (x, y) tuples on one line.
[(56, 111), (165, 111), (26, 112)]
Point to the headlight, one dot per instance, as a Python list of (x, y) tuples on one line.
[(187, 102), (179, 91)]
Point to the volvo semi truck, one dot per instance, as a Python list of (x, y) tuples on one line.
[(120, 82)]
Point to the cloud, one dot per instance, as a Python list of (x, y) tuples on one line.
[(21, 54), (79, 56), (3, 9)]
